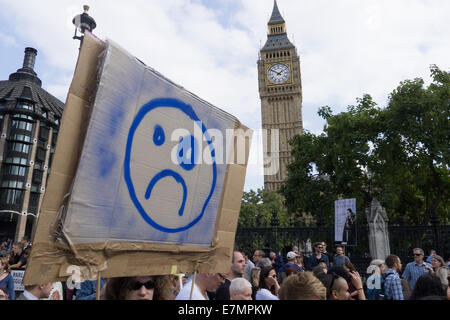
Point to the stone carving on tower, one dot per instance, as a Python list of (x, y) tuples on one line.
[(280, 90)]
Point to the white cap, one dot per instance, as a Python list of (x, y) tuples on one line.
[(291, 255)]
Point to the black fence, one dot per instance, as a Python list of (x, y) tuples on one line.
[(402, 239)]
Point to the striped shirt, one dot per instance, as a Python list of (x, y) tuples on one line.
[(413, 271), (393, 286)]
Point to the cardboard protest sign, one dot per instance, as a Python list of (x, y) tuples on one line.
[(145, 179), (345, 221)]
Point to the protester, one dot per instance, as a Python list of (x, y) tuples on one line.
[(291, 270), (432, 252), (25, 243), (16, 256), (36, 292), (57, 293), (139, 288), (264, 263), (392, 283), (6, 279), (240, 289), (291, 257), (302, 286), (254, 280), (88, 289), (257, 256), (204, 282), (329, 255), (340, 259), (299, 259), (236, 271), (336, 286), (268, 285), (22, 264), (375, 282), (4, 249), (440, 269), (415, 269), (427, 285), (249, 265), (344, 273), (349, 267), (320, 269), (276, 260), (317, 257)]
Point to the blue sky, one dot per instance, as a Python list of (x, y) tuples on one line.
[(347, 48)]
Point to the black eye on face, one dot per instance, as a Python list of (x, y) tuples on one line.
[(159, 136)]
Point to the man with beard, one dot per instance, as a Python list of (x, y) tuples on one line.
[(236, 271)]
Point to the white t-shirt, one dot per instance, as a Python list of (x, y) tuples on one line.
[(185, 293), (264, 294)]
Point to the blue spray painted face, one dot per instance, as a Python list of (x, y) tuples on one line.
[(188, 152)]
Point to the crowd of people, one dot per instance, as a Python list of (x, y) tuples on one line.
[(261, 276)]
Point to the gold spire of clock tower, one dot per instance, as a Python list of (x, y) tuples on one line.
[(280, 90)]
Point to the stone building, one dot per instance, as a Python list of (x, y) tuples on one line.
[(29, 118), (280, 90)]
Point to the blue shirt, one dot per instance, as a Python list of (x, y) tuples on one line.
[(313, 261), (339, 261), (393, 286), (413, 271)]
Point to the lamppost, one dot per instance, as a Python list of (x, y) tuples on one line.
[(82, 23)]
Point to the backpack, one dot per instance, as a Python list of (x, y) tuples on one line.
[(385, 277)]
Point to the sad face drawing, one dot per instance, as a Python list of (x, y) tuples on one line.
[(172, 193)]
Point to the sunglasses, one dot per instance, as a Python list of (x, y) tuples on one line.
[(222, 277), (138, 285), (417, 254)]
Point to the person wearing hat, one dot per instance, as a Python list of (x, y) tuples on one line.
[(375, 283), (291, 255)]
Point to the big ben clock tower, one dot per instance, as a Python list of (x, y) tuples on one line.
[(280, 90)]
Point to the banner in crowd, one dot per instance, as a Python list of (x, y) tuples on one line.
[(345, 222), (147, 178)]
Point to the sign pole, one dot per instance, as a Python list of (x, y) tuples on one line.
[(192, 286), (98, 285)]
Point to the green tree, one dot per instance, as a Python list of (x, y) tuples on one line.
[(257, 208), (399, 154)]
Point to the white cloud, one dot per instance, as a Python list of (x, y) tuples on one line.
[(347, 47), (7, 40)]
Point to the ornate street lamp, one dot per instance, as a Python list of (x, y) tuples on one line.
[(82, 23)]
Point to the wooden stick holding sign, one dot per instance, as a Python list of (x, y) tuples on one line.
[(192, 286), (98, 286)]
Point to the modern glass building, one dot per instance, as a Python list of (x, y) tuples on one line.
[(29, 122)]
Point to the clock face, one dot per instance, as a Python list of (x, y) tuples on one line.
[(278, 73)]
